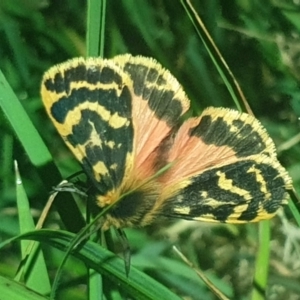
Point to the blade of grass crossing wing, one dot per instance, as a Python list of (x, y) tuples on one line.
[(95, 47)]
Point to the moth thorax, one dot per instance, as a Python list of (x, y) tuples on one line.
[(133, 207), (107, 199), (132, 210)]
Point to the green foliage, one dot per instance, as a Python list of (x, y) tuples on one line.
[(258, 39)]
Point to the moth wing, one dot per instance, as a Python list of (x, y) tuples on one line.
[(224, 170), (113, 114), (89, 102), (157, 105)]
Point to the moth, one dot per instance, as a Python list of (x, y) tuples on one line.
[(122, 119)]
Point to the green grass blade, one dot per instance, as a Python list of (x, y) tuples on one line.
[(95, 287), (11, 289), (34, 271), (262, 262), (95, 27), (22, 125), (294, 209), (138, 285)]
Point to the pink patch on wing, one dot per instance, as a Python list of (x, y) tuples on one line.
[(149, 134), (191, 155)]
